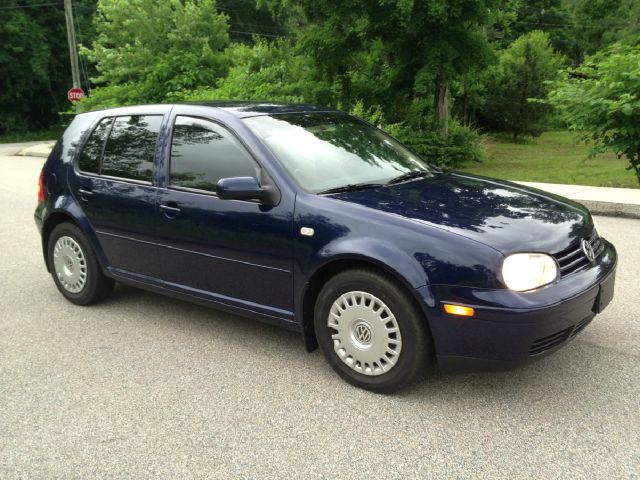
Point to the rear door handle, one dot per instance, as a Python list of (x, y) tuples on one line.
[(84, 194), (169, 211)]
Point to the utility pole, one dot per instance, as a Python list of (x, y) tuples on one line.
[(73, 46)]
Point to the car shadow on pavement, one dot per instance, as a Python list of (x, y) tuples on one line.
[(182, 313), (582, 371)]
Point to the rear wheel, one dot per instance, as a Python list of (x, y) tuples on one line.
[(74, 266), (371, 332)]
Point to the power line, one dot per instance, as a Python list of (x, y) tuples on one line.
[(272, 27), (229, 9), (256, 33), (21, 7), (573, 25)]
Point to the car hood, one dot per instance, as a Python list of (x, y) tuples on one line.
[(503, 215)]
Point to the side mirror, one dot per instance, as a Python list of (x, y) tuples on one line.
[(241, 188)]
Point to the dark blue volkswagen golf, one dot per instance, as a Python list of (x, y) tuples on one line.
[(312, 219)]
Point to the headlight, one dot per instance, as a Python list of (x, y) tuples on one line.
[(526, 271)]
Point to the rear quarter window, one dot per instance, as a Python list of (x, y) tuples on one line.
[(90, 157), (131, 147)]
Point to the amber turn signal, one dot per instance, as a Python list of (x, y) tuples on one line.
[(458, 310)]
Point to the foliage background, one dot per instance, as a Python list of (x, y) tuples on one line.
[(435, 73)]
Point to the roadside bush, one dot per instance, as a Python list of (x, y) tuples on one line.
[(372, 114), (112, 96), (462, 145)]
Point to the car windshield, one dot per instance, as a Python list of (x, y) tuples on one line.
[(326, 151)]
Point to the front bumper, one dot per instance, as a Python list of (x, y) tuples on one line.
[(510, 328)]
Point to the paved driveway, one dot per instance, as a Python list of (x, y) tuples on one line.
[(145, 386)]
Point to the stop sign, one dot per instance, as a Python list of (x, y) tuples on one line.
[(75, 94)]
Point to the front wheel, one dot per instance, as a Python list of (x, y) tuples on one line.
[(74, 267), (371, 332)]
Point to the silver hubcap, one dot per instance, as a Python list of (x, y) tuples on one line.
[(366, 334), (70, 264)]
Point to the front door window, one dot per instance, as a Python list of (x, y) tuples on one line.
[(203, 152)]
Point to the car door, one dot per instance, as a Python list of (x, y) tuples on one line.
[(113, 182), (231, 251)]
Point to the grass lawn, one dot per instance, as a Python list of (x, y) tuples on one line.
[(554, 157), (52, 134)]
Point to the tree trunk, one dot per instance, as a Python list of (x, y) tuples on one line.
[(465, 105), (635, 163), (442, 107)]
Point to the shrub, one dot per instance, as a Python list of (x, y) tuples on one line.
[(462, 144)]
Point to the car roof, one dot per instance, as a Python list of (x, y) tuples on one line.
[(240, 109), (248, 109)]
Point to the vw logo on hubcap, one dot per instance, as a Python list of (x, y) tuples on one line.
[(588, 250), (362, 333), (68, 265)]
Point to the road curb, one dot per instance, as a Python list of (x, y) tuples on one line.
[(607, 201), (41, 150), (611, 209)]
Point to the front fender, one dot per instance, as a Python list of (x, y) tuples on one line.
[(350, 252), (383, 254)]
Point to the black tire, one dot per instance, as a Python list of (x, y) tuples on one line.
[(96, 285), (415, 353)]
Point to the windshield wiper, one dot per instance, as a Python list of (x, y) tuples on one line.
[(409, 176), (351, 188)]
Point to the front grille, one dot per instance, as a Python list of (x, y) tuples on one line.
[(573, 259), (546, 343), (543, 344), (580, 326)]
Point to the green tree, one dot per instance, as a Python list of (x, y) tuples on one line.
[(519, 79), (25, 55), (600, 23), (601, 100), (396, 53), (153, 50), (553, 17), (271, 71), (34, 61), (249, 19)]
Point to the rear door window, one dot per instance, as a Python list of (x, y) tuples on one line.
[(203, 152), (90, 157), (131, 147)]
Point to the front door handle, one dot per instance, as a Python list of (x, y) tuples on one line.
[(169, 211), (84, 194)]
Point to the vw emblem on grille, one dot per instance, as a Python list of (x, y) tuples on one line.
[(588, 250), (362, 333)]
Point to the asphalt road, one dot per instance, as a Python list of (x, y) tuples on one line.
[(145, 386)]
